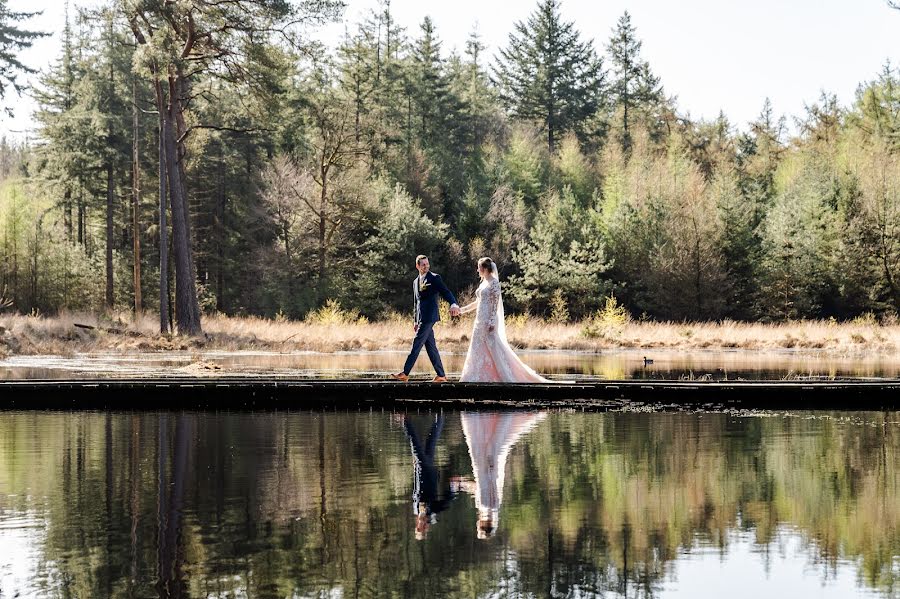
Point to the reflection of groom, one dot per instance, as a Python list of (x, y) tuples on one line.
[(428, 498), (427, 289)]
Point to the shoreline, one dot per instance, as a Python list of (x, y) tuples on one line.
[(76, 334), (612, 364), (657, 353)]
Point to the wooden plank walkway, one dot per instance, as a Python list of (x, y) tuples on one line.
[(250, 393)]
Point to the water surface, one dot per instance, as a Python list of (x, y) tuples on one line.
[(372, 504), (668, 364)]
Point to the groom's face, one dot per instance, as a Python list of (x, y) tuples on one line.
[(423, 266)]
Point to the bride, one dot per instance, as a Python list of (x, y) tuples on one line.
[(490, 358)]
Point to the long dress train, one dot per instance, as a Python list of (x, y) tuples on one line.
[(490, 358)]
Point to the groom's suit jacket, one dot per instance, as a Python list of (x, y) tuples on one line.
[(426, 297)]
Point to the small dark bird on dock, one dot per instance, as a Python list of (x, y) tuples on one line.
[(647, 361)]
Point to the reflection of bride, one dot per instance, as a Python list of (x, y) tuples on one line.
[(490, 436), (490, 358)]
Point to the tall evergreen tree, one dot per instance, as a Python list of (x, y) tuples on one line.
[(392, 107), (441, 128), (548, 74), (357, 58), (878, 106), (105, 97), (633, 85), (429, 82), (14, 39), (61, 156)]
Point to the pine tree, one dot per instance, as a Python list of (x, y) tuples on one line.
[(548, 74), (56, 99), (356, 57), (430, 85), (393, 99), (561, 259), (799, 244), (476, 116), (442, 129), (105, 96), (634, 85), (478, 95), (878, 107), (13, 39)]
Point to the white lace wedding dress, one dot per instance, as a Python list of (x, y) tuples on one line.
[(490, 358)]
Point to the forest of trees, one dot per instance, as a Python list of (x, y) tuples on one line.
[(205, 156)]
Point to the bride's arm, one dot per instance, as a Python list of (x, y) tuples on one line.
[(469, 307), (493, 298)]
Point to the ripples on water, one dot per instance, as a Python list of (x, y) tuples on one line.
[(558, 504)]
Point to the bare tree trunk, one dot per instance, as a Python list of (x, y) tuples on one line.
[(220, 237), (187, 309), (181, 130), (81, 240), (67, 217), (110, 297), (163, 225), (34, 263), (136, 198), (323, 206)]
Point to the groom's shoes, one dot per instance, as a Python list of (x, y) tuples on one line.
[(400, 376), (439, 379)]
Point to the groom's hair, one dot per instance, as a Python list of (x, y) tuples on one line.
[(419, 259)]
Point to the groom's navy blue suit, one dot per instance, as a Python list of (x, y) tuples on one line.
[(426, 293)]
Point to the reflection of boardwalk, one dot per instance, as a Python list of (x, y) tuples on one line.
[(490, 436)]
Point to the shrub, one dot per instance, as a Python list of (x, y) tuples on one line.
[(866, 319), (559, 308), (332, 314), (609, 319), (518, 320)]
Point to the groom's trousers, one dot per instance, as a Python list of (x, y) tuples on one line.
[(425, 336)]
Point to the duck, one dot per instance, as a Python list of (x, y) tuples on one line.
[(647, 361)]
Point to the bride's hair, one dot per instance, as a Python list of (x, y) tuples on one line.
[(485, 264)]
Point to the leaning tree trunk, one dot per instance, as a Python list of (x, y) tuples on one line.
[(187, 309), (181, 131)]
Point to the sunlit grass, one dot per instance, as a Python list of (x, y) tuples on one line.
[(331, 330)]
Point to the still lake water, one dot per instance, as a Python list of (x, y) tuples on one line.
[(628, 364), (449, 504)]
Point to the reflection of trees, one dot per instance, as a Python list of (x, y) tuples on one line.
[(281, 504)]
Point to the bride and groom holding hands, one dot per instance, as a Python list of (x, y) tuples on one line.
[(490, 358)]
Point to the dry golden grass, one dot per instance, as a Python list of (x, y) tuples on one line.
[(58, 335)]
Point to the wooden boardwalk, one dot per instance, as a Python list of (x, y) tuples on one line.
[(251, 393)]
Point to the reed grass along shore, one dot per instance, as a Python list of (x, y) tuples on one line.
[(70, 333)]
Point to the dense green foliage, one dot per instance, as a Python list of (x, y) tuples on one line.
[(313, 175)]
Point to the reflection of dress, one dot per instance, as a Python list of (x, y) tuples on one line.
[(490, 436), (490, 358)]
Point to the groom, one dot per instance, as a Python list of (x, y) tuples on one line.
[(427, 287)]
